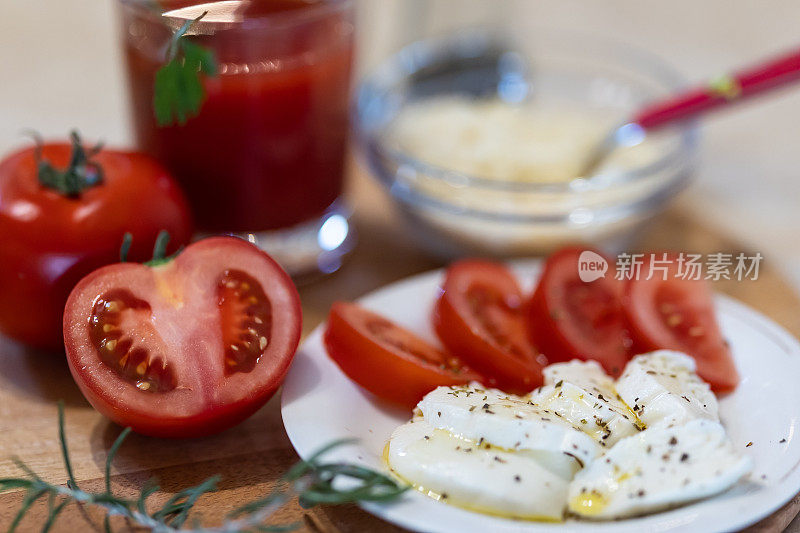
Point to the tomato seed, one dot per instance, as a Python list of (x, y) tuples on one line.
[(696, 331), (674, 320)]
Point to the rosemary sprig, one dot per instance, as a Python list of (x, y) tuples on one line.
[(313, 481), (178, 92)]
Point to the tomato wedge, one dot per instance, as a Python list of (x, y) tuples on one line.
[(189, 347), (573, 319), (479, 316), (387, 360), (678, 314)]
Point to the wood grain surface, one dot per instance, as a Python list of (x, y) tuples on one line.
[(251, 456)]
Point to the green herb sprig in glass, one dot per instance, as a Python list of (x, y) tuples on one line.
[(178, 92)]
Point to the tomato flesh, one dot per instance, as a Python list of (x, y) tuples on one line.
[(187, 348), (246, 316), (115, 317), (669, 312), (387, 360), (479, 316), (572, 319)]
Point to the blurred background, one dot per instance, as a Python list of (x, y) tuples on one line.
[(62, 68)]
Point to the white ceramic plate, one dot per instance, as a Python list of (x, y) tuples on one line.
[(321, 404)]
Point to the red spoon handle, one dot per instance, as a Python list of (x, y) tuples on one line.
[(722, 91)]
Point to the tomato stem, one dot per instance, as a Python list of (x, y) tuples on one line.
[(127, 240), (160, 256), (81, 174), (160, 247)]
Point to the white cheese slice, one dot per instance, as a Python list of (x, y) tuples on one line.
[(581, 392), (662, 388), (482, 479), (659, 468), (507, 421)]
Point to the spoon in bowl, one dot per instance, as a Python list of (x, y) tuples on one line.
[(720, 92)]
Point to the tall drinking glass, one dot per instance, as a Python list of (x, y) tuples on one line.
[(264, 157)]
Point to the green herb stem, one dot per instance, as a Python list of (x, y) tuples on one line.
[(312, 481)]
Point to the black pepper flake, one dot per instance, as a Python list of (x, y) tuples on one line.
[(749, 444), (439, 413), (560, 382), (517, 479), (684, 457), (685, 398), (673, 441), (499, 460), (782, 441), (444, 495), (580, 463), (472, 408), (426, 437), (641, 493), (485, 406)]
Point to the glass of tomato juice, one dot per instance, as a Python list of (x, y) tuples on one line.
[(264, 156)]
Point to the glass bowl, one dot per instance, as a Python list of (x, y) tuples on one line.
[(453, 213)]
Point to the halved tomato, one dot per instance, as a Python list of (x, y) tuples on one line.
[(189, 347), (387, 360), (479, 316), (670, 312), (575, 319)]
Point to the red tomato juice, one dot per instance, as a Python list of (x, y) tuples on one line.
[(267, 149)]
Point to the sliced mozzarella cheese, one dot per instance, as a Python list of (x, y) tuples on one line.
[(507, 421), (662, 388), (482, 479), (583, 394), (578, 372), (660, 467)]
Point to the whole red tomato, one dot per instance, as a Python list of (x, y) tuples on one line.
[(63, 213)]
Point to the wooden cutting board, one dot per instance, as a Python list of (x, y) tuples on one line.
[(251, 456)]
